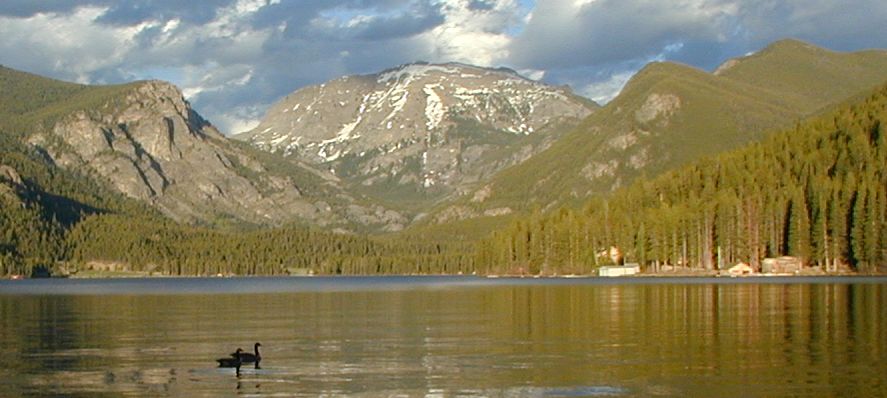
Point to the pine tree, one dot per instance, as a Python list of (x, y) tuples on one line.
[(799, 228)]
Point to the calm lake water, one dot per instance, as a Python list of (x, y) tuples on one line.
[(446, 337)]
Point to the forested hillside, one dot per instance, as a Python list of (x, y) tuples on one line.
[(55, 221), (818, 191), (30, 102), (669, 115)]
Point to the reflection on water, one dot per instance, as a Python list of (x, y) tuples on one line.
[(527, 340)]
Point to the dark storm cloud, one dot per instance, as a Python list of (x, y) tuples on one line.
[(397, 26), (839, 25), (328, 20), (132, 12), (481, 5), (27, 8)]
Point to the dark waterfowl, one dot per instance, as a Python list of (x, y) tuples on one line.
[(250, 358), (246, 357), (232, 362)]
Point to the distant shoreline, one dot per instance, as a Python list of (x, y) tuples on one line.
[(100, 275)]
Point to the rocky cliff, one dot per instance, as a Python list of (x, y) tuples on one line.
[(150, 145), (419, 131)]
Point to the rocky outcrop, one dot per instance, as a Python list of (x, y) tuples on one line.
[(9, 175), (150, 145), (425, 129), (657, 105), (10, 183)]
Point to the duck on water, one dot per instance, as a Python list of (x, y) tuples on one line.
[(246, 357), (239, 358)]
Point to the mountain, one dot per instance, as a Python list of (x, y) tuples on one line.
[(145, 141), (670, 114), (816, 191), (806, 76), (418, 133)]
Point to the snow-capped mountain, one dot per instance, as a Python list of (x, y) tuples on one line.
[(419, 130)]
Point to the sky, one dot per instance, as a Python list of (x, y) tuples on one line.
[(234, 58)]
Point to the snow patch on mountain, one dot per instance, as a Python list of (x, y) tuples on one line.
[(434, 109), (415, 71)]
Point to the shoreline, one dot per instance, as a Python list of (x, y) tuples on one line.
[(662, 275)]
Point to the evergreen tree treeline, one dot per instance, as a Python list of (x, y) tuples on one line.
[(163, 246)]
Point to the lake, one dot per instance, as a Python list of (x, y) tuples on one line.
[(446, 337)]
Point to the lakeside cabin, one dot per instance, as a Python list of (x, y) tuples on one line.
[(782, 265), (619, 270)]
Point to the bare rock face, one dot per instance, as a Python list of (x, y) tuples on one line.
[(421, 128), (9, 175), (657, 105), (153, 147)]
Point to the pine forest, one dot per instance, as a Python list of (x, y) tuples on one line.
[(817, 192)]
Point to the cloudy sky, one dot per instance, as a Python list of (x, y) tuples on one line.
[(233, 58)]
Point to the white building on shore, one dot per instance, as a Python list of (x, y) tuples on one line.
[(619, 270)]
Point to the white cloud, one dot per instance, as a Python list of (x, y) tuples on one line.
[(567, 33), (604, 91), (532, 74), (67, 46), (471, 35), (235, 122), (837, 24)]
